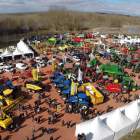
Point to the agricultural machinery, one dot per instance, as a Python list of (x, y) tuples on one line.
[(110, 70), (94, 62), (119, 76), (104, 80), (9, 84), (136, 68), (54, 76), (60, 79), (115, 58), (122, 61), (64, 85), (128, 64), (89, 70), (95, 76), (76, 66)]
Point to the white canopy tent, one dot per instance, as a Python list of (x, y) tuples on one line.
[(21, 46), (118, 122), (7, 54), (28, 51), (17, 52), (95, 129), (132, 111)]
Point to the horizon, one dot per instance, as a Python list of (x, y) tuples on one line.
[(123, 7)]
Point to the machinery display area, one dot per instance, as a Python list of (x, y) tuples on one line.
[(102, 78)]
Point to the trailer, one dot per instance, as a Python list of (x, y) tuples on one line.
[(15, 76), (95, 96)]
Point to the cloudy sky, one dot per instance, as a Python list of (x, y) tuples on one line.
[(127, 7)]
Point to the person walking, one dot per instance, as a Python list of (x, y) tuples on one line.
[(36, 120), (26, 113), (19, 107), (26, 138), (49, 131), (22, 107), (43, 130), (51, 138), (17, 127), (68, 124), (30, 107), (32, 117), (63, 123), (33, 129)]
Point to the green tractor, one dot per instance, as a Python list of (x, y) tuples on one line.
[(122, 62), (129, 84), (94, 62), (119, 76), (115, 58), (128, 64), (76, 66), (136, 68), (132, 48), (110, 70)]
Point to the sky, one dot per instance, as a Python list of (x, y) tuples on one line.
[(126, 7)]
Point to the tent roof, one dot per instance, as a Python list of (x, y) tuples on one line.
[(94, 129), (17, 52), (27, 51), (116, 120), (7, 53), (131, 110), (21, 46)]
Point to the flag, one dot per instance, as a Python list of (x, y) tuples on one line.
[(74, 88), (37, 68), (98, 67), (64, 59), (80, 78), (91, 56)]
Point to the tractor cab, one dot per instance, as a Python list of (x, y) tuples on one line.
[(59, 80), (62, 85), (71, 102), (128, 64), (76, 66), (136, 68), (9, 84), (55, 76)]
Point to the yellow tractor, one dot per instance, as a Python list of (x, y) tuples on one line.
[(5, 120), (34, 86)]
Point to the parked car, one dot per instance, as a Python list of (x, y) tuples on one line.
[(37, 59), (53, 58), (10, 64), (2, 66), (49, 62), (69, 60), (21, 66), (12, 48), (44, 59), (8, 69), (41, 64), (33, 66), (76, 58)]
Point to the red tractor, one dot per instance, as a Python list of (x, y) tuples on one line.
[(89, 70), (103, 80), (95, 75)]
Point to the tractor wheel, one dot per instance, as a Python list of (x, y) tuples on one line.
[(122, 64), (125, 88), (29, 90), (51, 80), (59, 90), (60, 94), (54, 85), (130, 67), (137, 71), (116, 80), (134, 89), (33, 91), (3, 102), (126, 66), (63, 97), (111, 59), (100, 85)]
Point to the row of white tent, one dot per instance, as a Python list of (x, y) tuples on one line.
[(112, 125), (21, 49)]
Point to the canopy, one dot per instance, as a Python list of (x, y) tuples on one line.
[(7, 53), (118, 122), (17, 52), (132, 111), (28, 51), (95, 129), (21, 46)]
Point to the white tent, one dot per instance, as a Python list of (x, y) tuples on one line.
[(118, 122), (95, 129), (17, 52), (132, 111), (28, 51), (21, 46), (7, 53)]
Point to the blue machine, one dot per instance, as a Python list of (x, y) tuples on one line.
[(55, 76), (59, 80), (9, 84)]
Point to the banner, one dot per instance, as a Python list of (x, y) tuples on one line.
[(80, 78), (35, 74), (58, 108), (74, 87), (1, 113), (64, 59), (53, 66), (37, 68)]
